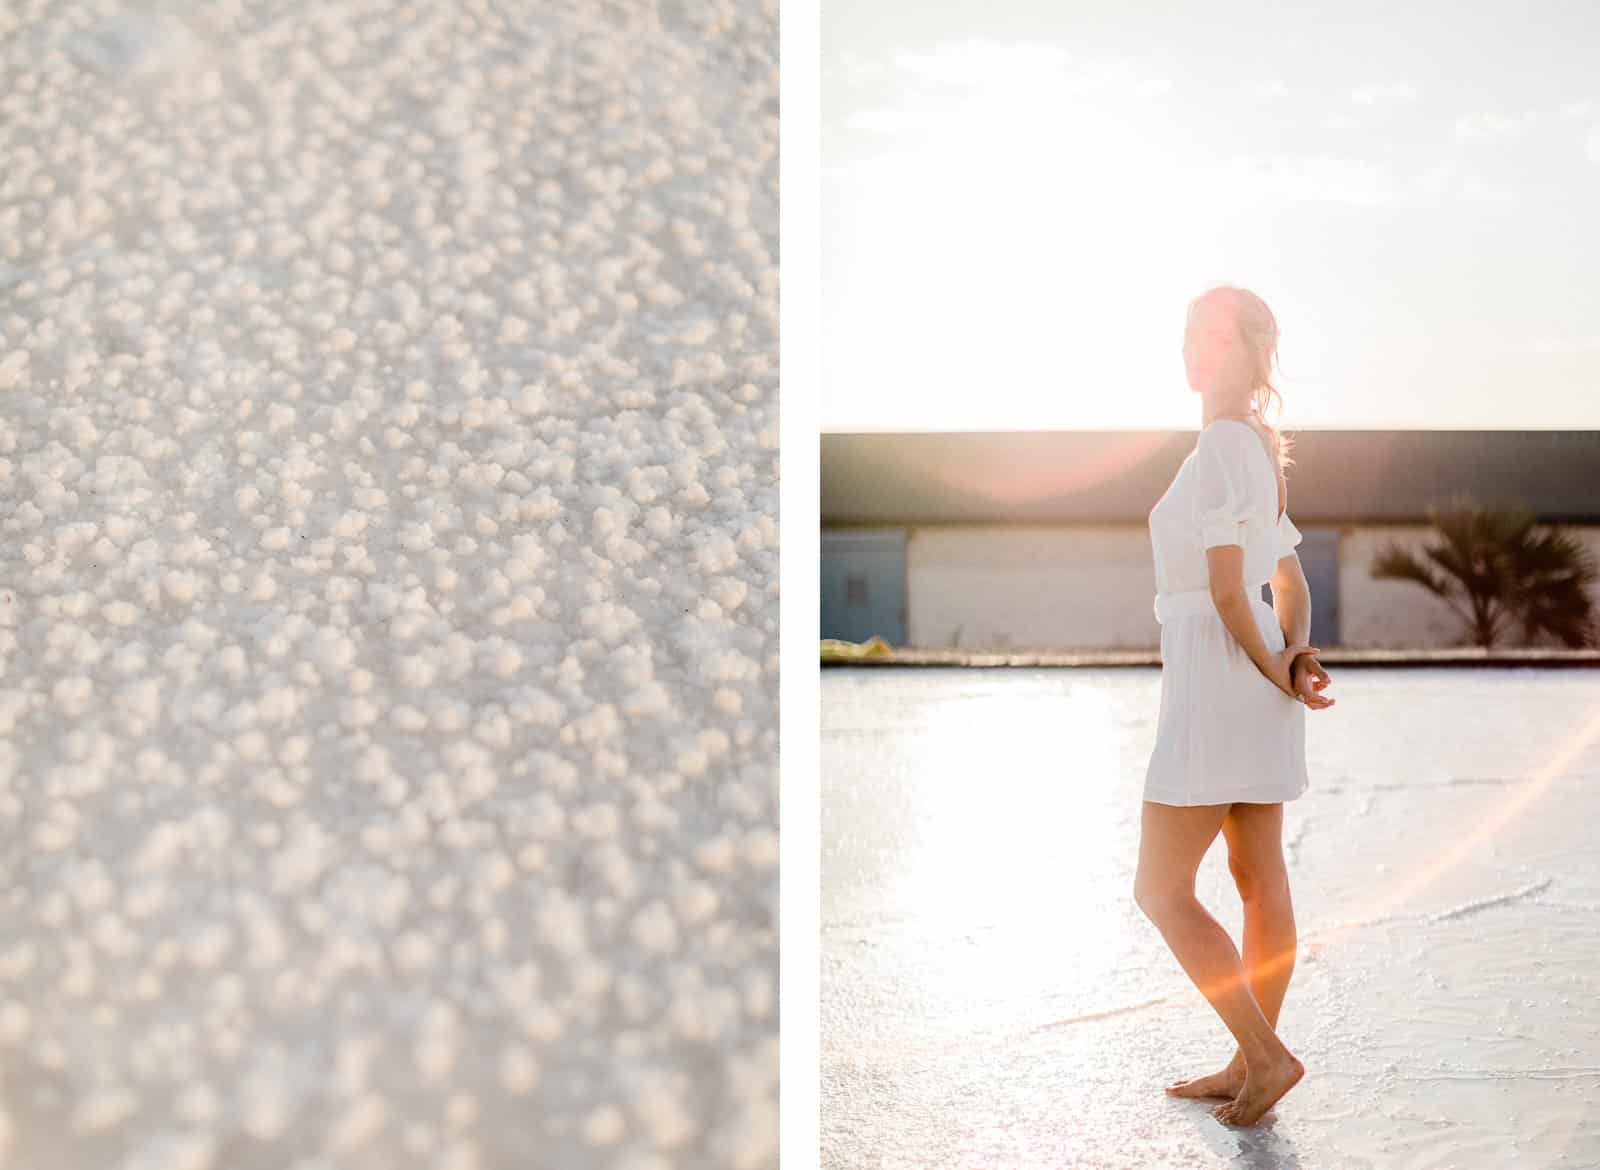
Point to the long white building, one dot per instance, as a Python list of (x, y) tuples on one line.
[(1038, 540)]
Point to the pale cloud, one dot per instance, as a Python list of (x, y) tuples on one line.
[(886, 121), (1339, 122), (979, 64), (1476, 190), (960, 87), (1355, 181), (1267, 89), (1489, 125), (1307, 178), (1381, 92), (853, 68), (1564, 345), (976, 62), (1477, 127)]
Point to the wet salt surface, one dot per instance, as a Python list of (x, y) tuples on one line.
[(992, 996), (388, 585)]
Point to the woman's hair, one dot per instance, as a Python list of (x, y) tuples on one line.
[(1259, 330)]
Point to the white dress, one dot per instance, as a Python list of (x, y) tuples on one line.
[(1225, 732)]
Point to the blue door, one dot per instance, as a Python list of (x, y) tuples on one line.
[(1319, 558), (864, 584)]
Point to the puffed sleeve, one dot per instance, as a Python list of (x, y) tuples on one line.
[(1222, 495), (1288, 535)]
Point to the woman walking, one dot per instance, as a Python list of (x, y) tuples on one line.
[(1237, 678)]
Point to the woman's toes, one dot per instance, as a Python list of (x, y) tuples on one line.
[(1219, 1084)]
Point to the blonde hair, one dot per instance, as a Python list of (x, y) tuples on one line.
[(1259, 330)]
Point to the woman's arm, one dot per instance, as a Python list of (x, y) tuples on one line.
[(1225, 563), (1223, 511), (1291, 600)]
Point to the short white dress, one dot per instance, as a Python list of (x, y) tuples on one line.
[(1225, 732)]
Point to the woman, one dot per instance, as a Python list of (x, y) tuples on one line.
[(1236, 680)]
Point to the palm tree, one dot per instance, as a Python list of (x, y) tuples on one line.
[(1494, 568)]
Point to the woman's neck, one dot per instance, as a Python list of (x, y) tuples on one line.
[(1207, 419)]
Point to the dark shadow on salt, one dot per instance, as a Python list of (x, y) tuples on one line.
[(1252, 1147), (1262, 1149)]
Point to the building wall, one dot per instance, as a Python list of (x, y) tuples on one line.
[(1047, 587), (1091, 587), (1400, 613)]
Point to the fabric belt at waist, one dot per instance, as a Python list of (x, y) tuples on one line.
[(1191, 601)]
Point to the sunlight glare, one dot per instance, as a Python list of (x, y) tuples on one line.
[(1037, 270), (1033, 907)]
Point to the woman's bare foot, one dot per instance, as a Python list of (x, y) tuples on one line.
[(1226, 1083), (1263, 1086)]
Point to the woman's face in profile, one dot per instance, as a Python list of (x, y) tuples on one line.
[(1213, 352)]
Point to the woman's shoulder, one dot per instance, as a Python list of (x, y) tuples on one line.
[(1227, 435), (1230, 433)]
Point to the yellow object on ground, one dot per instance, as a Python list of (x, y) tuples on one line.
[(834, 649)]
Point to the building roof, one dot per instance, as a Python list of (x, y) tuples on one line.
[(1115, 477)]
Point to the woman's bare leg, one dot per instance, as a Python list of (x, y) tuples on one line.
[(1255, 857), (1173, 841)]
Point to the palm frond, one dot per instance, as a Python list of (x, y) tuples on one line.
[(1493, 566)]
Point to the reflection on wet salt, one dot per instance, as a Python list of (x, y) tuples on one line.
[(985, 972)]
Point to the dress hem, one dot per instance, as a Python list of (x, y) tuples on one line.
[(1257, 798)]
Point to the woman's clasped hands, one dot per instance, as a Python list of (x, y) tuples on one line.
[(1297, 673)]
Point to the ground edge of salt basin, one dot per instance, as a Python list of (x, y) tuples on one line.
[(1416, 656)]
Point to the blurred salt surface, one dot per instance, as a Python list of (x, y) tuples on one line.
[(991, 996), (388, 585)]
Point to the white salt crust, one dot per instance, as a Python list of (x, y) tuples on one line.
[(388, 584)]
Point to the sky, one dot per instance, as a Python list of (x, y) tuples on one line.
[(1020, 199)]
